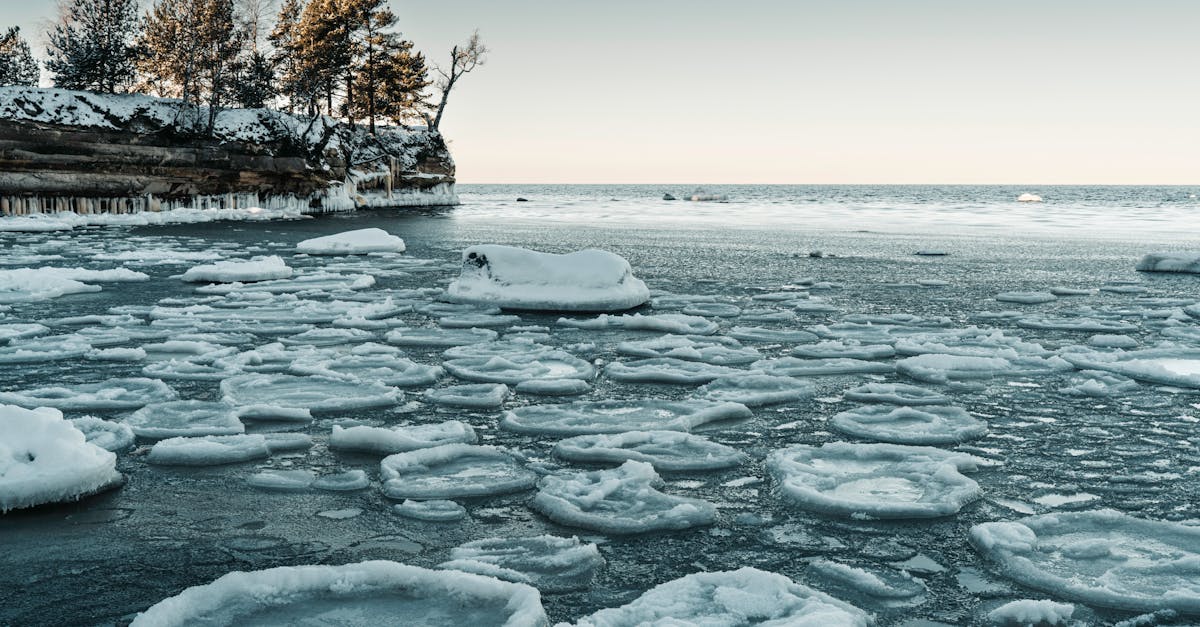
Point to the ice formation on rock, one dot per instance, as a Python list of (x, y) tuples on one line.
[(398, 439), (358, 242), (45, 459), (874, 480), (516, 278), (595, 417), (362, 594), (548, 563), (746, 596), (667, 451), (1103, 557), (621, 500), (927, 425), (454, 471)]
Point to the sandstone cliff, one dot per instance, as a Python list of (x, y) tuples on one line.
[(76, 151)]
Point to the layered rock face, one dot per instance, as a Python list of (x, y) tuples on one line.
[(76, 151)]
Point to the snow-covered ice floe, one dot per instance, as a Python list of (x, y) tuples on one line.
[(793, 367), (107, 395), (185, 418), (426, 337), (876, 586), (1103, 557), (667, 370), (471, 396), (516, 278), (358, 242), (665, 450), (258, 269), (399, 439), (875, 480), (678, 324), (595, 417), (1178, 367), (940, 368), (215, 450), (548, 563), (27, 285), (720, 351), (1170, 262), (381, 368), (831, 349), (454, 471), (436, 510), (927, 425), (746, 596), (1026, 298), (108, 435), (621, 500), (1032, 612), (45, 459), (895, 394), (286, 397), (515, 368), (753, 390), (362, 594), (760, 334)]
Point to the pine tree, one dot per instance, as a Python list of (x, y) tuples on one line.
[(90, 48), (285, 40), (324, 49), (390, 83), (17, 66), (254, 81)]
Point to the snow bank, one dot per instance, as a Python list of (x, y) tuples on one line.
[(359, 242), (366, 593), (257, 269), (1170, 262), (1104, 558), (746, 596), (45, 459), (516, 278)]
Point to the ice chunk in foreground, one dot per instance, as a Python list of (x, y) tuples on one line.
[(453, 471), (874, 480), (1031, 612), (398, 439), (753, 390), (361, 595), (895, 394), (45, 459), (185, 418), (621, 500), (359, 242), (106, 395), (1170, 262), (431, 511), (548, 563), (591, 417), (285, 397), (516, 278), (665, 450), (258, 269), (1104, 558), (929, 425), (746, 596)]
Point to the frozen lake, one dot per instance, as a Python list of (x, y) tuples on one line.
[(1037, 432)]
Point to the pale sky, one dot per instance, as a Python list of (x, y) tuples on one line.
[(794, 91)]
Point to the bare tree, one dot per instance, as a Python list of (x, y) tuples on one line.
[(463, 59)]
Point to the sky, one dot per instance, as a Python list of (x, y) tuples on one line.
[(798, 91)]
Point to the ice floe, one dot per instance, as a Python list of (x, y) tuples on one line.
[(45, 459), (553, 387), (616, 416), (1026, 298), (1178, 367), (112, 394), (875, 480), (746, 596), (940, 368), (454, 471), (721, 351), (891, 588), (358, 242), (929, 425), (667, 370), (400, 438), (366, 593), (678, 324), (895, 394), (380, 368), (514, 368), (258, 269), (108, 435), (284, 480), (287, 397), (431, 511), (475, 396), (185, 418), (793, 367), (1170, 262), (214, 450), (621, 500), (830, 349), (516, 278), (1032, 612), (439, 338), (665, 450), (549, 563), (1104, 558), (754, 390), (760, 334)]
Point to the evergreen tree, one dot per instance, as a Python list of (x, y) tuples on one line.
[(285, 40), (324, 49), (254, 81), (17, 66), (90, 48)]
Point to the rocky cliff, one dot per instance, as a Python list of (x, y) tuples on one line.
[(76, 151)]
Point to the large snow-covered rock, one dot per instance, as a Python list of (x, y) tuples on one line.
[(258, 269), (875, 480), (1170, 262), (359, 242), (621, 500), (45, 459), (362, 594), (746, 596), (516, 278), (454, 471), (1102, 557)]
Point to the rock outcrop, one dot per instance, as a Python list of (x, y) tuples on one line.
[(77, 151)]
